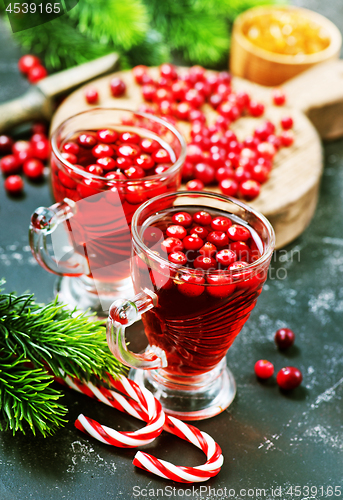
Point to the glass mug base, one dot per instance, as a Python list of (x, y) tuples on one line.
[(190, 397), (86, 294)]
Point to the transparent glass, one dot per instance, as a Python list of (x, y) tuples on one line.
[(189, 329), (88, 229)]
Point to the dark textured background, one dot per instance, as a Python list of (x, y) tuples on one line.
[(269, 439)]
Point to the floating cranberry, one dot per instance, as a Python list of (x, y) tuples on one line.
[(106, 163), (66, 180), (102, 151), (14, 185), (129, 150), (221, 223), (225, 257), (123, 162), (286, 122), (9, 165), (149, 145), (118, 87), (241, 249), (178, 258), (69, 157), (36, 74), (218, 238), (199, 231), (144, 161), (161, 156), (205, 263), (229, 187), (289, 378), (183, 219), (203, 218), (172, 245), (134, 172), (160, 169), (192, 285), (238, 233), (89, 187), (71, 147), (264, 369), (6, 144), (279, 97), (86, 140), (135, 194), (27, 62), (220, 285), (33, 169), (91, 95), (130, 137), (176, 231), (284, 338), (287, 138), (118, 176), (154, 188), (107, 135), (192, 242), (95, 170), (208, 249)]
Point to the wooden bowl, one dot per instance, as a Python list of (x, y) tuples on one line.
[(270, 68)]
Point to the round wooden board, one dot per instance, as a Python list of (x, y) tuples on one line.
[(289, 197)]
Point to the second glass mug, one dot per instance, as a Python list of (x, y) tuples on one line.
[(89, 226), (190, 318)]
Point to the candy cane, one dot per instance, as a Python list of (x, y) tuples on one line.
[(140, 403)]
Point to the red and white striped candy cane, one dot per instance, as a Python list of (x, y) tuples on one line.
[(134, 400)]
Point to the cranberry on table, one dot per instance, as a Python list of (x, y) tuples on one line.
[(289, 378), (229, 187), (91, 95), (118, 87), (195, 185), (139, 72), (279, 97), (33, 169), (249, 189), (264, 369), (204, 172), (284, 338), (27, 62), (183, 219), (6, 144), (286, 122), (14, 185), (287, 138), (9, 165), (168, 71), (256, 109), (36, 74)]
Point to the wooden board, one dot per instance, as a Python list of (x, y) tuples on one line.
[(288, 199)]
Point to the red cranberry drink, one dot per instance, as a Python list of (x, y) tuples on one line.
[(104, 164), (199, 263)]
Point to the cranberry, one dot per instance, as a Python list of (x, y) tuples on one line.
[(107, 135), (208, 250), (160, 169), (289, 378), (66, 180), (266, 150), (149, 145), (39, 128), (9, 165), (192, 285), (123, 162), (19, 146), (89, 187), (243, 99), (195, 115), (71, 147), (130, 137), (251, 142), (33, 169), (178, 258), (37, 73), (241, 249), (284, 338), (149, 92), (259, 173), (182, 110), (228, 187), (286, 122), (203, 218), (172, 245), (91, 95), (69, 157), (198, 72), (192, 242), (226, 257), (218, 238), (118, 87), (179, 90), (221, 223), (161, 156), (144, 161), (14, 185), (279, 97), (287, 138), (27, 62), (224, 173), (129, 150), (6, 144), (106, 163), (195, 185), (221, 286), (183, 219), (199, 231), (264, 369), (102, 151), (238, 233), (86, 140), (176, 231), (194, 98), (204, 172), (194, 154), (187, 171), (154, 188), (135, 194), (168, 71), (117, 176), (139, 72), (205, 263), (95, 170), (256, 109), (249, 189), (134, 172)]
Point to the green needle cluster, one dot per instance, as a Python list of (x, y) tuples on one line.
[(38, 342)]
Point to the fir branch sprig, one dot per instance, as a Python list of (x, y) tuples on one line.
[(39, 341)]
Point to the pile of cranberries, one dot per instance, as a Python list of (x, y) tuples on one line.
[(287, 378), (23, 157), (206, 244), (215, 155), (32, 67)]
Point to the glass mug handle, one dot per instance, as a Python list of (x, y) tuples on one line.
[(124, 313), (45, 221)]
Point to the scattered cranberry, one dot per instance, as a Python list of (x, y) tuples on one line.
[(91, 95), (289, 378), (6, 144), (37, 73), (195, 185), (39, 128), (256, 109), (284, 338), (9, 165), (33, 169), (14, 185), (264, 369), (28, 62), (286, 122), (41, 149), (250, 189), (279, 97), (118, 87), (229, 187), (287, 138)]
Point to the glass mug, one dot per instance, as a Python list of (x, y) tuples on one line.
[(89, 226), (190, 316)]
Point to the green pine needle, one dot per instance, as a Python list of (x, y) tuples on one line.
[(37, 341)]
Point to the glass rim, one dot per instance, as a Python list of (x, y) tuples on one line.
[(267, 253), (174, 168)]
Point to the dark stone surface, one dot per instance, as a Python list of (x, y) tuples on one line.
[(269, 439)]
